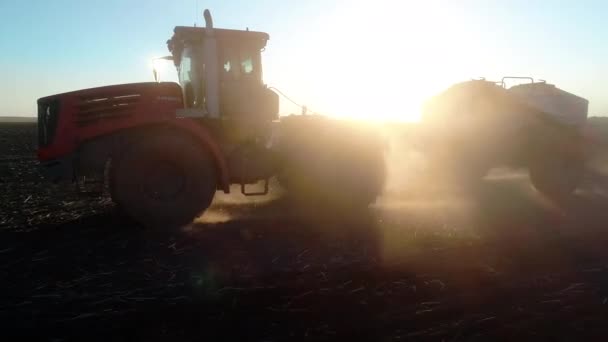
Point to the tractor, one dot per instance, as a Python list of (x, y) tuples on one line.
[(477, 125), (163, 149)]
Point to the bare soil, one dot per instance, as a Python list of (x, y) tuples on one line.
[(502, 263)]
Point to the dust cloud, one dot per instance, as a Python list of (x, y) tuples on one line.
[(415, 194), (235, 205)]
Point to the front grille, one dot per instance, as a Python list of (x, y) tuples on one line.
[(93, 109), (48, 117)]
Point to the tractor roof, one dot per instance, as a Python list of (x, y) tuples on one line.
[(187, 33)]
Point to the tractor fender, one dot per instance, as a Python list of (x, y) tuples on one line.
[(92, 155), (202, 135)]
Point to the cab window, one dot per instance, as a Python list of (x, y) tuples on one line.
[(239, 63), (185, 79), (247, 64)]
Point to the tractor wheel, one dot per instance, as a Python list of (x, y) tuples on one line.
[(334, 183), (556, 176), (163, 181)]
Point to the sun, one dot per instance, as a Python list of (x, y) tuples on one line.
[(382, 60), (163, 68)]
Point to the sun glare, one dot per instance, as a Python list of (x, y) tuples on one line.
[(381, 60), (164, 69)]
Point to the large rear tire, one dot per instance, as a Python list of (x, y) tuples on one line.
[(556, 176), (163, 181), (333, 180), (557, 164), (330, 168)]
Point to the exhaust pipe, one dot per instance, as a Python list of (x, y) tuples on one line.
[(208, 19)]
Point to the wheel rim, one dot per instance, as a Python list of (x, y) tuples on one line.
[(568, 176), (560, 177), (164, 182)]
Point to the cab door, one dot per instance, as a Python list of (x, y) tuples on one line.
[(191, 81), (240, 81)]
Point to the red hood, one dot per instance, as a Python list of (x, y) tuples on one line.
[(114, 89), (89, 113)]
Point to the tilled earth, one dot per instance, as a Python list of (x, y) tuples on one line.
[(502, 264)]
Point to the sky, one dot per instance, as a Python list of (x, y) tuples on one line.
[(371, 59)]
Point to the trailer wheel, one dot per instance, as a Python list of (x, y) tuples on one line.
[(163, 181), (556, 176)]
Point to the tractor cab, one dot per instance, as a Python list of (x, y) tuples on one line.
[(220, 72)]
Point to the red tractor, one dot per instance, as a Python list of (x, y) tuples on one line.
[(166, 148)]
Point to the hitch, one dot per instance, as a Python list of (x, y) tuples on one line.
[(260, 193)]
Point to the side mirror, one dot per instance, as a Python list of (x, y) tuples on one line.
[(155, 72)]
